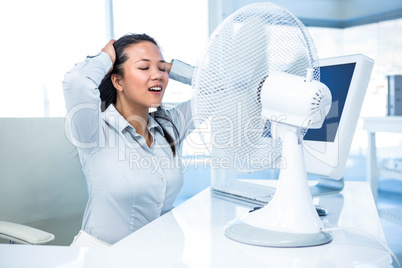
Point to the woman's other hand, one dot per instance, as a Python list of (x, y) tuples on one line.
[(109, 49), (168, 67)]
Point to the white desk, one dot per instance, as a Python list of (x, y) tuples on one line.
[(373, 125), (192, 236)]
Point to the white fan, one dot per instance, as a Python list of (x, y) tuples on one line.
[(258, 90)]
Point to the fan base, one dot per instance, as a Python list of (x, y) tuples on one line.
[(241, 232)]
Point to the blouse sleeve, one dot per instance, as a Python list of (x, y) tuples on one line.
[(182, 118), (181, 115), (181, 72), (82, 99)]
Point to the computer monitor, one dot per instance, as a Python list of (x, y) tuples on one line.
[(326, 149)]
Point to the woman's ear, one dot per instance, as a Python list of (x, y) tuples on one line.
[(116, 81)]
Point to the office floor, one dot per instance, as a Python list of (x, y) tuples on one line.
[(390, 210), (389, 202)]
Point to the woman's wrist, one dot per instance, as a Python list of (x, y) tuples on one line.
[(168, 67), (181, 71)]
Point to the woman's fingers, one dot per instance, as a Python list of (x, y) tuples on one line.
[(109, 49)]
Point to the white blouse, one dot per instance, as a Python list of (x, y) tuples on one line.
[(129, 183)]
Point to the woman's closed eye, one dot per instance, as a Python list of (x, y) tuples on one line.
[(162, 66), (162, 69)]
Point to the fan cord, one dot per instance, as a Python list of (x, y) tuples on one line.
[(366, 234)]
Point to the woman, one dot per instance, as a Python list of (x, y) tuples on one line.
[(129, 156)]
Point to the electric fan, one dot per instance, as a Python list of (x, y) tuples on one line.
[(257, 89)]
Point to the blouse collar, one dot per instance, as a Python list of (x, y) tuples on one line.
[(113, 118)]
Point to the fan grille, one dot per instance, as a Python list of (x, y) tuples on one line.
[(249, 45)]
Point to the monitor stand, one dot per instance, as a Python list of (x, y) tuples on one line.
[(327, 186)]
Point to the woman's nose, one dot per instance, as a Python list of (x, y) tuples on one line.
[(157, 74)]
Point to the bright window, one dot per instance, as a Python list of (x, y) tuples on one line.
[(380, 41), (41, 40)]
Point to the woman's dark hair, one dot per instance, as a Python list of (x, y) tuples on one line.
[(108, 91)]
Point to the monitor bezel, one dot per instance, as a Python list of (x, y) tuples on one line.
[(328, 159)]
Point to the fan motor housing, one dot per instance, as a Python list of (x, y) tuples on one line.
[(293, 100)]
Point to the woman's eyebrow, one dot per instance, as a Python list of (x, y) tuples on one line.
[(161, 61), (142, 60)]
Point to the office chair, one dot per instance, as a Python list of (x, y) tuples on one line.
[(41, 182)]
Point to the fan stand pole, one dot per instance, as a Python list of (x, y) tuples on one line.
[(290, 219)]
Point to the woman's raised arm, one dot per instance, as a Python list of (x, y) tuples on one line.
[(82, 96)]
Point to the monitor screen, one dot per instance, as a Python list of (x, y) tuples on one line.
[(337, 78)]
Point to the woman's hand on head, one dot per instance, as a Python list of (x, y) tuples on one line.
[(168, 67), (109, 49)]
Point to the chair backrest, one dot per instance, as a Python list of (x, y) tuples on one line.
[(40, 172)]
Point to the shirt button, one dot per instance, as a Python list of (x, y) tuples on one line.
[(163, 180), (159, 205)]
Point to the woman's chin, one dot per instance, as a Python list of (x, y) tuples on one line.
[(155, 105)]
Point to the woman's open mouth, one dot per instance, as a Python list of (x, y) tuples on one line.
[(155, 90)]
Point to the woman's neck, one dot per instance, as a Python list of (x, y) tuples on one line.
[(136, 117)]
